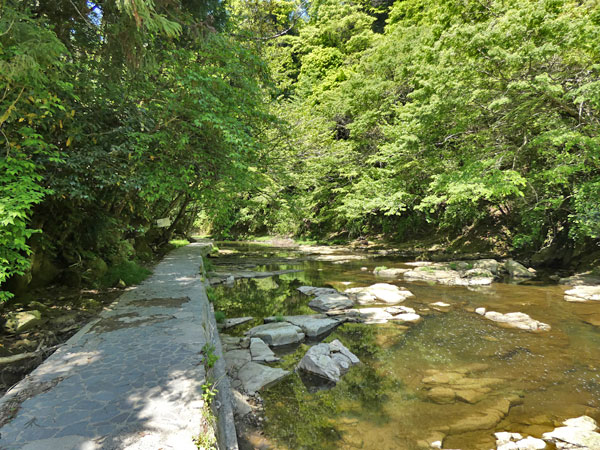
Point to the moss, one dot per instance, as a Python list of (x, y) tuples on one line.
[(179, 242)]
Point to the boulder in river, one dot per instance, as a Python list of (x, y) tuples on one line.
[(329, 361), (583, 294), (517, 270), (379, 293), (517, 320), (578, 433), (277, 333), (329, 302)]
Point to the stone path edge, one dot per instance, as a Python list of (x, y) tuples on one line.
[(223, 404)]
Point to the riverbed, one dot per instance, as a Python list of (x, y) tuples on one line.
[(504, 379)]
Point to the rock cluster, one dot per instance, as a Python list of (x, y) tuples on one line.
[(329, 361), (378, 293), (514, 441), (514, 320), (459, 273), (244, 364), (579, 433)]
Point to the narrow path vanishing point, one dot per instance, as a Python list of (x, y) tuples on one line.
[(130, 379)]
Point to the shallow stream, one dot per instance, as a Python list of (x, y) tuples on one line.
[(386, 402)]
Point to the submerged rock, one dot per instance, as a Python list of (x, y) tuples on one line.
[(384, 315), (517, 270), (379, 292), (329, 302), (578, 433), (583, 293), (517, 320), (277, 333), (329, 361)]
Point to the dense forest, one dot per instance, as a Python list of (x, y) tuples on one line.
[(327, 119)]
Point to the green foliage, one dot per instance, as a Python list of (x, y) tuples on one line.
[(278, 318), (129, 271), (179, 242), (210, 358), (209, 391), (458, 115), (220, 316)]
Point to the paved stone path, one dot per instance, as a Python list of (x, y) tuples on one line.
[(131, 379)]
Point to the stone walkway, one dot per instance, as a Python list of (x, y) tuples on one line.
[(130, 379)]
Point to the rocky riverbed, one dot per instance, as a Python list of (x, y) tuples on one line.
[(444, 362)]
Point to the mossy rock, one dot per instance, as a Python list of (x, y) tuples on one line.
[(23, 321), (96, 268)]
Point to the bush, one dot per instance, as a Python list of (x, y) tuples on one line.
[(130, 272)]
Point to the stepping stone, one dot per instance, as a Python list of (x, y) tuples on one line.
[(312, 325), (254, 376), (277, 333), (310, 290), (329, 302), (517, 320), (230, 323), (261, 352)]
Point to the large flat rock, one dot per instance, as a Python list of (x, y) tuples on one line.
[(379, 293), (312, 325), (330, 302), (277, 333), (256, 376), (518, 320), (583, 294), (578, 433)]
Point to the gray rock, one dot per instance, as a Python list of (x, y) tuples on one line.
[(329, 361), (379, 292), (310, 290), (236, 359), (579, 433), (261, 351), (583, 294), (329, 302), (230, 323), (389, 273), (312, 325), (23, 321), (240, 404), (336, 346), (517, 320), (277, 333), (487, 264), (517, 270), (582, 279), (255, 376)]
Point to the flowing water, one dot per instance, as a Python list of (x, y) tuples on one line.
[(385, 402)]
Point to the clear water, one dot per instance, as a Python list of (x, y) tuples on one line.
[(383, 403)]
